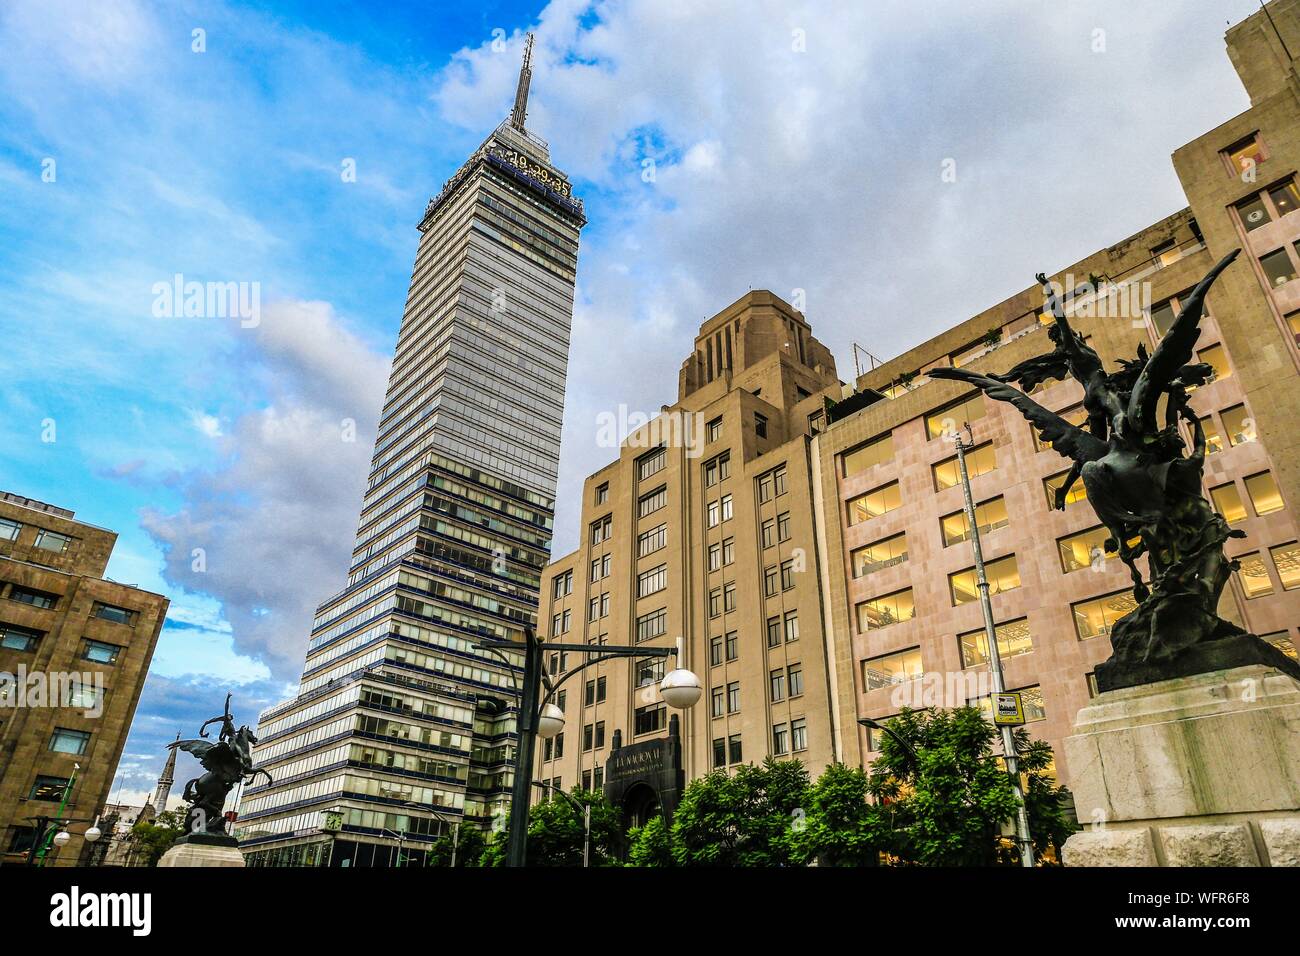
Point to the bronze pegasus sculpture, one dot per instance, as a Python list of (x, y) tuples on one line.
[(1145, 490)]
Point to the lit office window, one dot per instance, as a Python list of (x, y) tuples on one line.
[(1278, 267), (1002, 574), (1013, 640), (1286, 558), (1213, 440), (980, 461), (52, 541), (868, 455), (1077, 491), (989, 516), (1263, 492), (882, 554), (1282, 641), (1252, 575), (874, 503), (1217, 358), (1082, 550), (1227, 502), (1096, 616), (1075, 415), (1238, 424), (890, 669), (950, 418), (886, 610)]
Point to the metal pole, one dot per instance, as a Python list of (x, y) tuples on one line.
[(67, 791), (995, 660), (455, 843), (586, 835), (517, 849)]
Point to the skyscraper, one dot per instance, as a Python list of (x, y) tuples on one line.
[(403, 726)]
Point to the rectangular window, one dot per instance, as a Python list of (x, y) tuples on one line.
[(52, 541), (33, 597), (118, 615), (1253, 212), (725, 502), (787, 575), (876, 557), (776, 685), (1162, 317), (773, 632), (874, 503), (760, 425), (1003, 574), (1244, 155), (649, 670), (889, 669), (795, 673), (728, 551), (1278, 268), (729, 597), (952, 417), (768, 533), (1216, 358), (1095, 617), (646, 720), (876, 736), (715, 651), (719, 752), (652, 625), (588, 737), (1051, 483), (652, 501), (652, 581), (886, 610), (715, 602), (713, 430), (1263, 492), (64, 741), (602, 493), (18, 638), (593, 609), (770, 581), (1013, 640), (799, 734), (791, 626), (715, 557), (602, 529), (733, 749), (99, 652), (1082, 550), (651, 463), (1252, 575), (733, 697), (1286, 558), (780, 740), (1213, 440), (1285, 197), (990, 516), (980, 461), (648, 542), (717, 702), (1238, 424), (877, 451), (733, 645), (1227, 502), (9, 530), (48, 788)]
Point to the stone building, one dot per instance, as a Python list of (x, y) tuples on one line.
[(74, 651)]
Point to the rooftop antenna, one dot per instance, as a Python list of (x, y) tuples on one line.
[(520, 111)]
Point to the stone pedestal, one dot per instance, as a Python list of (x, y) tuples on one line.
[(201, 849), (1195, 771)]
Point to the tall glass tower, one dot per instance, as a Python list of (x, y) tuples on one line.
[(403, 726)]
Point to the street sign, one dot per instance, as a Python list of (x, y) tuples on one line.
[(1008, 710)]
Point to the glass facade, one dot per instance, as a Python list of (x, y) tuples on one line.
[(403, 725)]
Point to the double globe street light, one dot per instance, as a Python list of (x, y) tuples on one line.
[(540, 717)]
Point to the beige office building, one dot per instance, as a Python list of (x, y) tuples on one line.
[(866, 550), (701, 529), (60, 619)]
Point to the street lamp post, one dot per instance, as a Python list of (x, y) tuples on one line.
[(1023, 838), (454, 824), (539, 717), (52, 831)]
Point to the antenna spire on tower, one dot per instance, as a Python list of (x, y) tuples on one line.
[(520, 111)]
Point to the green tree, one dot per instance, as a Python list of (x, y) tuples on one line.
[(841, 828), (650, 845), (470, 845), (152, 838), (741, 819), (555, 833), (948, 800)]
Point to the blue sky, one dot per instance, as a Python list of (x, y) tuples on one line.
[(794, 146)]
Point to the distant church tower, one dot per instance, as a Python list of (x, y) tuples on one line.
[(165, 781)]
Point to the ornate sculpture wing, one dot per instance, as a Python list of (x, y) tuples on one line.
[(1173, 352), (1070, 440)]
